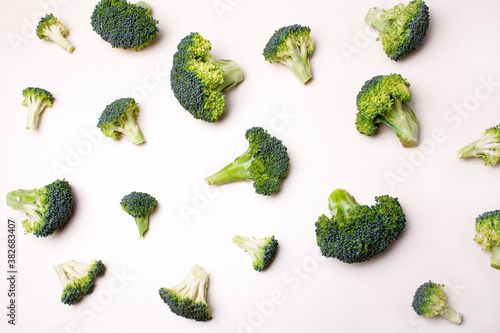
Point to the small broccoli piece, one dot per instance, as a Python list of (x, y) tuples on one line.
[(120, 117), (124, 25), (261, 250), (430, 301), (189, 298), (48, 208), (357, 233), (198, 80), (265, 162), (487, 147), (78, 279), (488, 235), (401, 28), (292, 46), (36, 100), (139, 205), (383, 99), (50, 28)]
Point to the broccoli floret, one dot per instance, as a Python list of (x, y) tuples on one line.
[(47, 208), (265, 162), (292, 46), (50, 28), (36, 100), (401, 28), (384, 99), (139, 205), (78, 279), (488, 235), (357, 233), (198, 80), (261, 250), (487, 147), (430, 301), (189, 298), (124, 25), (120, 117)]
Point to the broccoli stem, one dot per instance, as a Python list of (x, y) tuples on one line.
[(341, 202), (131, 130), (481, 147), (142, 223), (404, 122), (374, 19), (298, 61), (54, 34), (452, 316), (495, 257), (26, 201), (232, 73), (35, 107), (234, 171)]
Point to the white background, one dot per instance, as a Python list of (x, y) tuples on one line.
[(455, 80)]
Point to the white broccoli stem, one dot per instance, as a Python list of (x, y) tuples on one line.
[(35, 108), (374, 19), (55, 34), (495, 257), (452, 316)]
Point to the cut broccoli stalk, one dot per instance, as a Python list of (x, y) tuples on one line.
[(404, 122), (340, 202), (453, 316), (495, 257), (29, 202), (374, 18), (237, 170), (298, 61), (232, 72), (131, 130), (487, 147), (54, 34)]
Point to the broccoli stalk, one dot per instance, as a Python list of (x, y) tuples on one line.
[(262, 251), (232, 72), (341, 203), (374, 18), (403, 122), (237, 170), (487, 147), (77, 279), (430, 301), (50, 28), (495, 256), (36, 100)]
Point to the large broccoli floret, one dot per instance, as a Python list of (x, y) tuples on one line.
[(189, 298), (384, 99), (36, 100), (124, 25), (401, 28), (198, 80), (139, 205), (120, 117), (77, 279), (261, 250), (265, 162), (356, 233), (292, 46), (488, 235), (48, 208), (429, 300), (487, 147), (50, 28)]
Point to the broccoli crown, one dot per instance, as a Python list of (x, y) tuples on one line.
[(198, 80), (265, 162), (487, 147), (488, 229), (383, 99), (188, 298), (124, 25), (120, 117), (78, 279), (429, 300), (261, 250), (292, 46), (357, 233), (36, 100), (139, 205), (401, 28), (47, 208), (50, 28)]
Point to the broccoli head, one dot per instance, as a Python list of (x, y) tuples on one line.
[(265, 162), (429, 301), (488, 235), (383, 99), (124, 25), (36, 100), (120, 117), (261, 250), (487, 147), (48, 208), (357, 233), (139, 205), (189, 297), (50, 28), (401, 28), (292, 46), (198, 80), (78, 279)]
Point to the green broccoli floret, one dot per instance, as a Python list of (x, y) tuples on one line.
[(401, 28), (261, 250), (139, 205), (36, 100), (124, 25), (198, 80), (292, 46), (78, 279), (488, 235), (487, 147), (189, 298), (430, 301), (357, 233), (47, 208), (120, 117), (384, 99), (50, 28), (265, 162)]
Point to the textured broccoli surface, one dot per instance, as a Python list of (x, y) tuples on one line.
[(50, 28), (430, 301), (139, 205), (78, 279), (120, 117), (262, 251), (488, 235), (487, 147), (36, 100)]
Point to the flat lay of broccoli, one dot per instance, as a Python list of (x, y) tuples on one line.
[(292, 46), (36, 100), (77, 279), (50, 28), (487, 147), (430, 301), (198, 80), (48, 208), (262, 251), (139, 205), (401, 28), (189, 297), (488, 235), (120, 117)]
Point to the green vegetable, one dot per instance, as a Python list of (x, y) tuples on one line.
[(487, 147), (261, 250), (120, 117), (488, 235), (139, 205), (78, 279), (430, 301), (50, 28), (36, 100)]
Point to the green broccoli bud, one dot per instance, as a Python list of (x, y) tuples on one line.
[(50, 28), (120, 117), (139, 205), (430, 301), (36, 100), (488, 235)]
